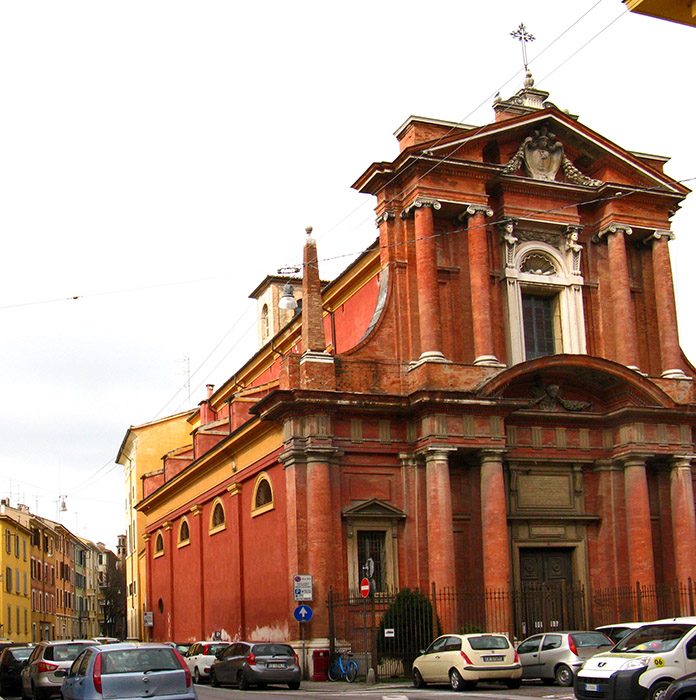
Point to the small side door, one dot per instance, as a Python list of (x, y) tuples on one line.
[(223, 667), (73, 684), (549, 655), (431, 662), (528, 652)]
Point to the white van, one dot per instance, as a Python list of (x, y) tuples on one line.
[(643, 664)]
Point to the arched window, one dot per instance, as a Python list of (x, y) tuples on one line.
[(262, 499), (184, 533), (217, 516), (159, 545), (265, 321)]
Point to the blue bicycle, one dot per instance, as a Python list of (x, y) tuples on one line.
[(339, 670)]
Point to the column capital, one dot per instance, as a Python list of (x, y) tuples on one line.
[(473, 209), (681, 461), (611, 229), (435, 452), (492, 454), (385, 216), (418, 203), (660, 234), (634, 459)]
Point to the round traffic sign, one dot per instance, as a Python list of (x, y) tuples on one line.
[(365, 587), (303, 613)]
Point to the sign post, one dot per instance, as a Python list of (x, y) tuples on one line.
[(365, 590), (303, 590)]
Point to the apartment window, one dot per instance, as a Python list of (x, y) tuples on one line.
[(9, 619), (18, 588), (8, 579), (16, 544), (539, 320), (8, 540)]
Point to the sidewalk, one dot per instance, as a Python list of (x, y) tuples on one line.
[(359, 684)]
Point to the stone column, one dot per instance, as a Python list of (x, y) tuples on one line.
[(621, 299), (683, 518), (480, 279), (495, 539), (641, 567), (430, 330), (668, 336), (320, 536)]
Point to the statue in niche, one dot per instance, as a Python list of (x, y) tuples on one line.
[(548, 398)]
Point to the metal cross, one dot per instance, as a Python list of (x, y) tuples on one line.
[(524, 36)]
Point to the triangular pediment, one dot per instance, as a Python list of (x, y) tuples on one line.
[(373, 508)]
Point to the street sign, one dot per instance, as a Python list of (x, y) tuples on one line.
[(303, 613), (389, 632), (149, 619), (365, 587), (302, 587)]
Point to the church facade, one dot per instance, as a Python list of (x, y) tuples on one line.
[(491, 396)]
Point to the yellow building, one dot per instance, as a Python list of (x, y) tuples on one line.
[(680, 11), (141, 453), (15, 593)]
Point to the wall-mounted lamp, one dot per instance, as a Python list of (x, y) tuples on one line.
[(287, 299)]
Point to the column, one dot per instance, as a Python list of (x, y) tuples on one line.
[(430, 330), (197, 518), (668, 334), (479, 271), (320, 536), (439, 515), (621, 299), (638, 527), (683, 518), (495, 540)]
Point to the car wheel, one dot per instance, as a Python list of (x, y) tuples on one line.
[(295, 685), (456, 680), (513, 683), (418, 681), (196, 675), (564, 676), (243, 681), (213, 679), (657, 690)]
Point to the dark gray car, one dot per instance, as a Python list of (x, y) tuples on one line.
[(256, 663), (129, 670), (558, 656)]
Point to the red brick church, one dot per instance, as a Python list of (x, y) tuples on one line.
[(491, 396)]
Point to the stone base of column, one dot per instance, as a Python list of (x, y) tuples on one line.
[(488, 361), (637, 369), (430, 356), (674, 374)]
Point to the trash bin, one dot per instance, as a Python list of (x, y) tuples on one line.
[(320, 665)]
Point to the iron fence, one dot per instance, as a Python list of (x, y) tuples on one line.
[(387, 631)]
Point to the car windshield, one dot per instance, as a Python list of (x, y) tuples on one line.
[(63, 652), (136, 660), (591, 639), (272, 650), (653, 639), (488, 641), (22, 653)]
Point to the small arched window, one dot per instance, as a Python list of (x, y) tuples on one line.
[(184, 533), (265, 321), (159, 544), (217, 517), (262, 499)]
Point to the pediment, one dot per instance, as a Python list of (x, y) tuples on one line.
[(373, 508)]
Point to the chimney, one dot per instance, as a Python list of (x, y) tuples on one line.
[(208, 415)]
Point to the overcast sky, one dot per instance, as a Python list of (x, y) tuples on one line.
[(158, 159)]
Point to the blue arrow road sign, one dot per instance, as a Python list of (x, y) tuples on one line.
[(303, 613)]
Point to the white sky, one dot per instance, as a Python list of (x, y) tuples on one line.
[(158, 159)]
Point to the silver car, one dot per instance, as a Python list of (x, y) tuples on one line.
[(558, 656), (256, 663), (49, 662), (129, 670)]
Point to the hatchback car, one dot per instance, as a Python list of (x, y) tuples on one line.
[(201, 656), (47, 665), (129, 670), (558, 656), (12, 660), (462, 660), (251, 663), (618, 631)]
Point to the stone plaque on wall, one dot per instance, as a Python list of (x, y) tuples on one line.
[(544, 491)]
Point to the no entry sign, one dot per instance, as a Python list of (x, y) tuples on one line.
[(365, 588)]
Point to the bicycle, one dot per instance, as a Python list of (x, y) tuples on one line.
[(339, 670)]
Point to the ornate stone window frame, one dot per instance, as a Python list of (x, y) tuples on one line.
[(565, 284), (270, 505), (214, 529), (184, 538), (158, 550)]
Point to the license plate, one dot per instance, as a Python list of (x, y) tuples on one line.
[(276, 665), (493, 658), (592, 687)]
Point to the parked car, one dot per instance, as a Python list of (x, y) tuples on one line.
[(201, 656), (129, 670), (618, 631), (643, 664), (252, 663), (12, 662), (682, 689), (106, 640), (462, 660), (47, 665), (558, 656)]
